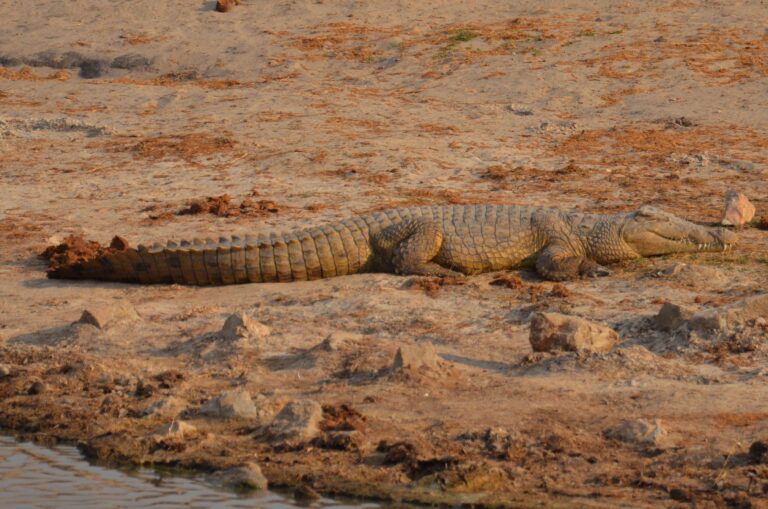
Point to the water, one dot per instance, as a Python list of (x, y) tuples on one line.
[(36, 477)]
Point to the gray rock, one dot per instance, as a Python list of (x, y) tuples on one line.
[(422, 355), (671, 316), (234, 404), (640, 432), (555, 331), (93, 68), (239, 326), (245, 477), (106, 315), (709, 321), (297, 421), (132, 62)]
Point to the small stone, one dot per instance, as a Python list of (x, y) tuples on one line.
[(226, 5), (640, 432), (758, 452), (681, 494), (4, 371), (340, 440), (169, 407), (336, 341), (37, 388), (119, 243), (174, 430), (671, 316), (709, 321), (305, 494), (297, 420), (555, 331), (241, 326), (234, 404), (104, 316), (93, 68), (245, 477), (416, 356), (738, 209)]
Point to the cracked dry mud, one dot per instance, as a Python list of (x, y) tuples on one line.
[(337, 108)]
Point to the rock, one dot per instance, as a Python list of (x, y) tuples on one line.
[(671, 316), (37, 388), (555, 331), (174, 430), (340, 440), (724, 319), (240, 326), (304, 494), (169, 407), (234, 404), (336, 341), (244, 477), (738, 209), (93, 68), (758, 452), (693, 275), (416, 356), (104, 316), (4, 371), (709, 321), (226, 5), (297, 421), (751, 308), (640, 432)]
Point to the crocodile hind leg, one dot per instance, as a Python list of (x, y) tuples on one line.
[(558, 262), (414, 244)]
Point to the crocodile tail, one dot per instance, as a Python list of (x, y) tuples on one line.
[(297, 256)]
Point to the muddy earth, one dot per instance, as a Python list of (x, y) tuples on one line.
[(171, 120)]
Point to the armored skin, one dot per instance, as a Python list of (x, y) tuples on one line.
[(452, 240)]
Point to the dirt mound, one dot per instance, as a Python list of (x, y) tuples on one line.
[(76, 250), (223, 206)]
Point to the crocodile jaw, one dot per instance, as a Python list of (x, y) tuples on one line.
[(650, 232)]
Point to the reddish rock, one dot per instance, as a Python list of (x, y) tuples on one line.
[(226, 5), (738, 209)]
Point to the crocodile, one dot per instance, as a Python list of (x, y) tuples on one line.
[(450, 240)]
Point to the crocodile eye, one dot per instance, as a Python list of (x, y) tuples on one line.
[(646, 211)]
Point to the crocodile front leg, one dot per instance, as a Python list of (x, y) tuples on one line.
[(412, 246), (558, 262)]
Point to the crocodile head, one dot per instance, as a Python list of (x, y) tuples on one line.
[(650, 231)]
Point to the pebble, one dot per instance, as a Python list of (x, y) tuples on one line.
[(4, 371), (338, 340), (640, 432), (226, 5), (671, 316), (555, 331), (738, 209), (104, 316), (37, 388), (240, 326)]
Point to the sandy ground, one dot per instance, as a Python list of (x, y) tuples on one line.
[(115, 116)]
